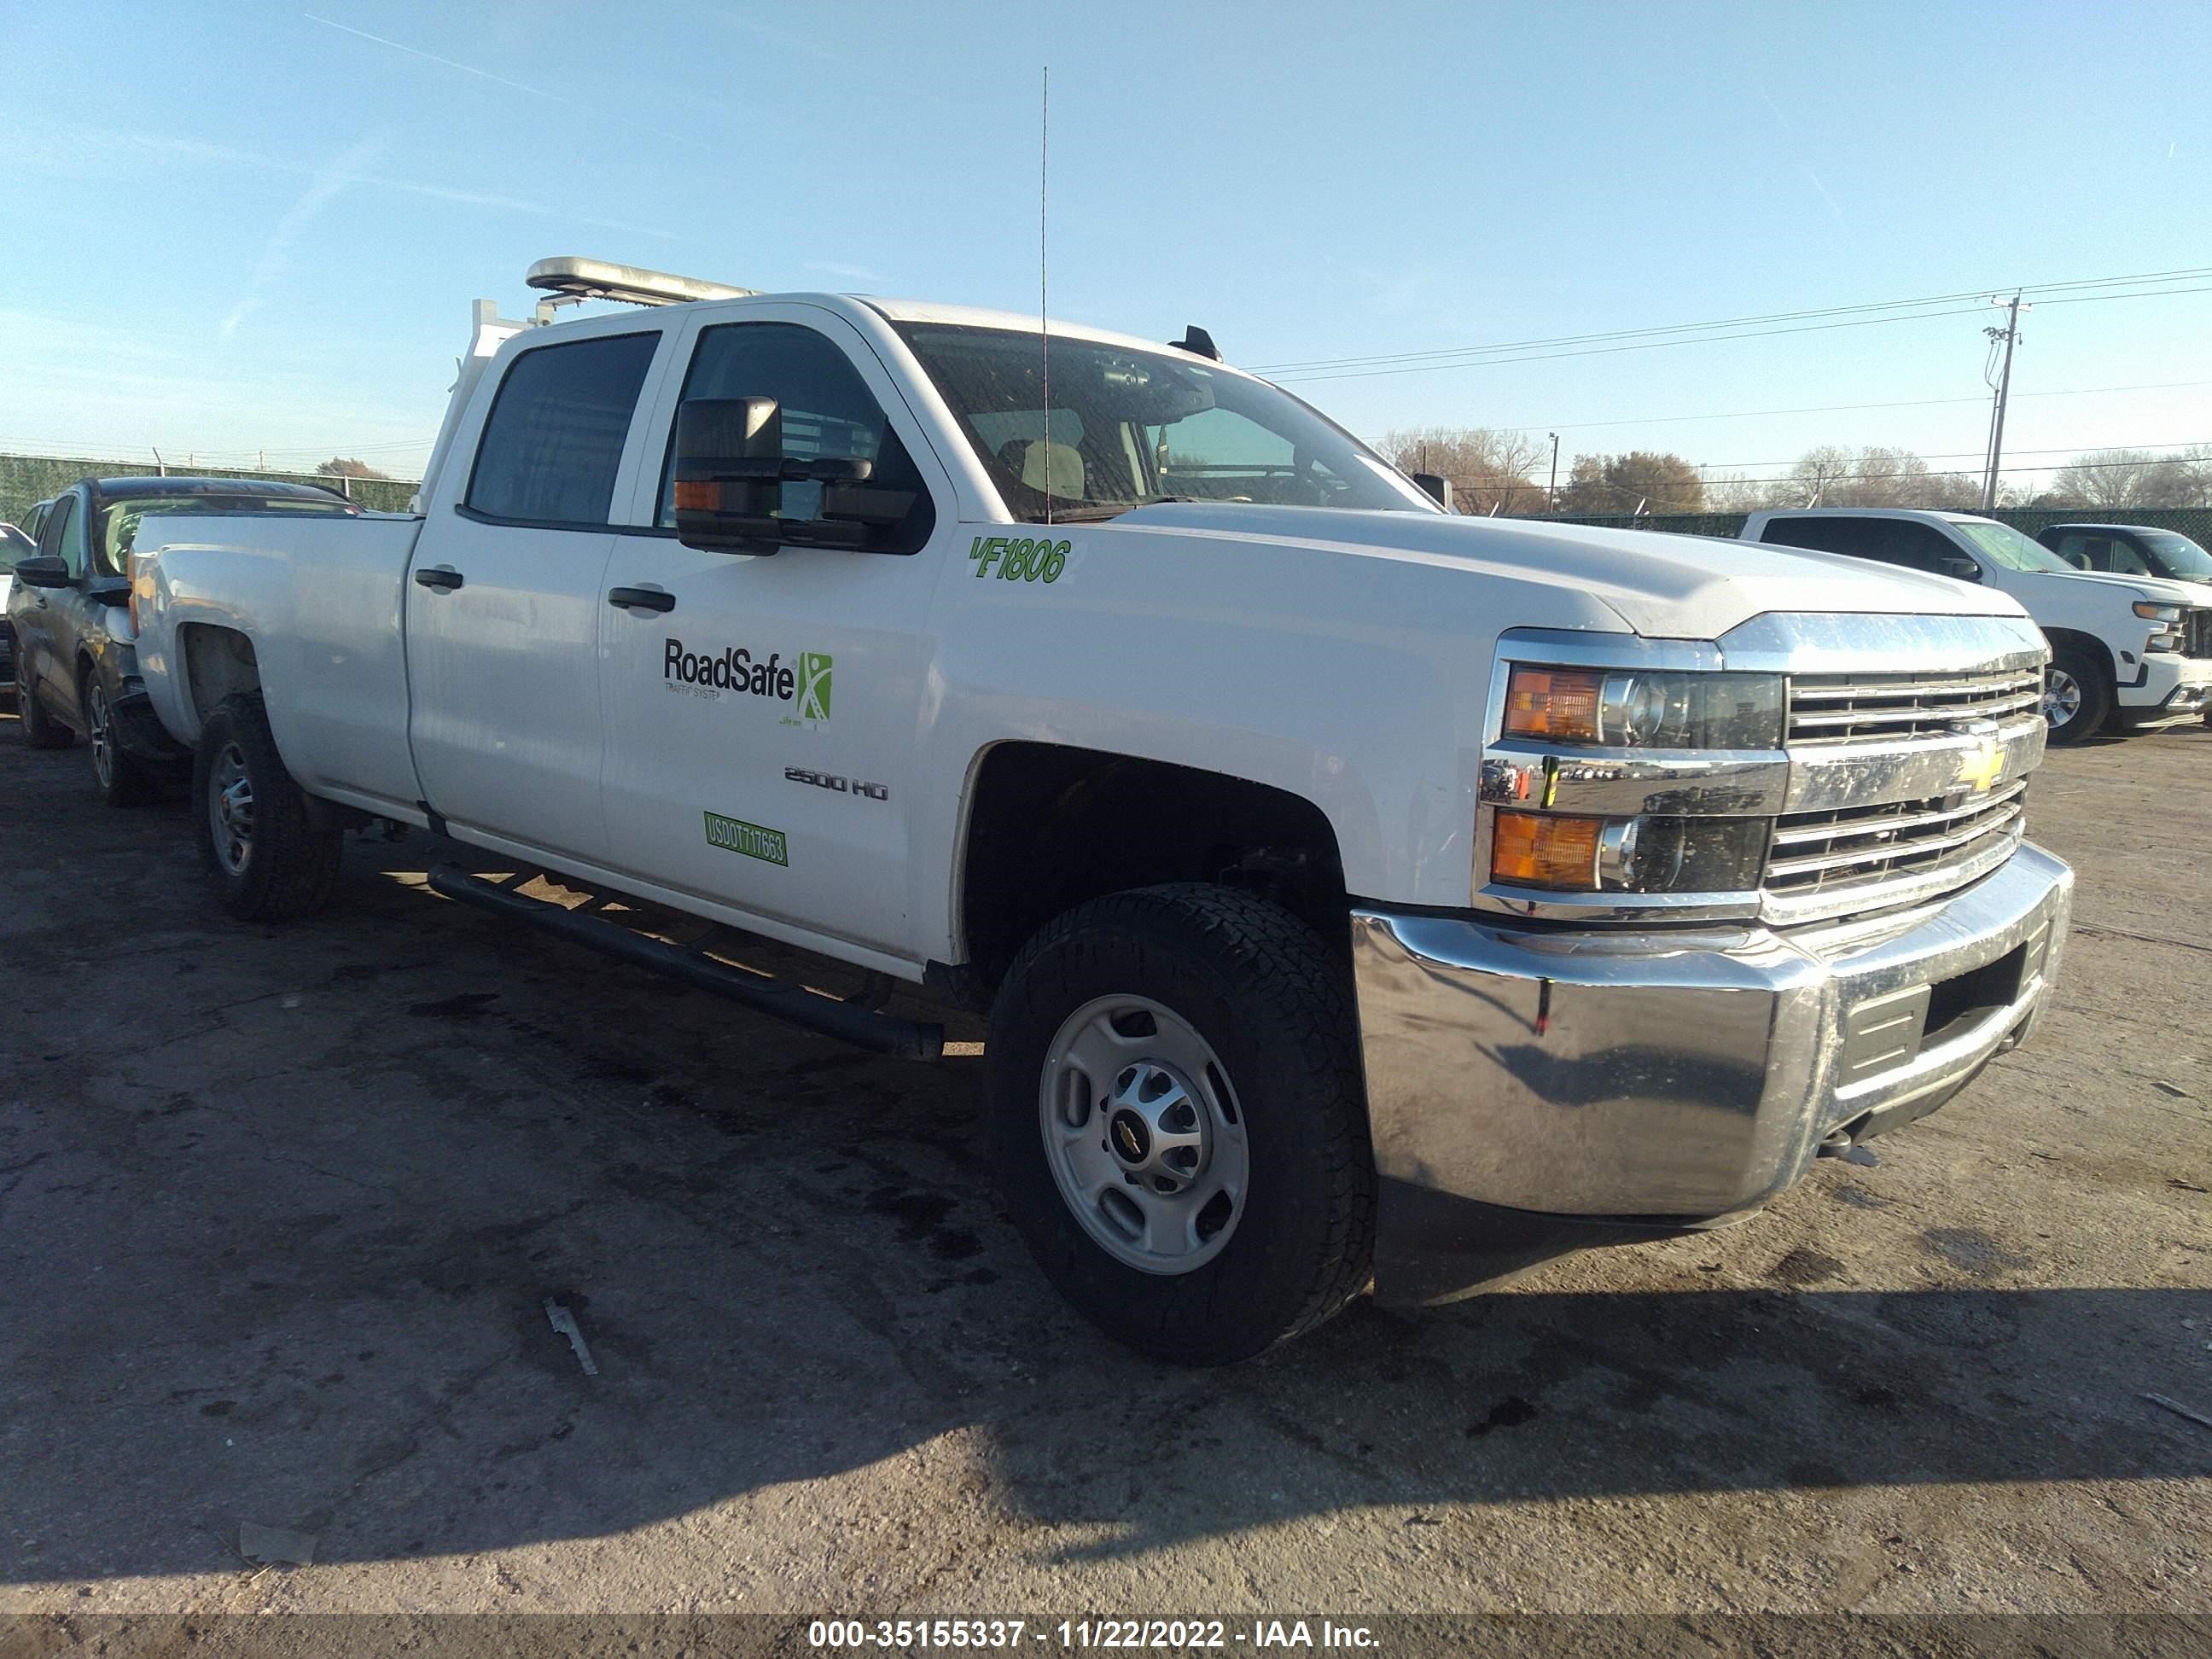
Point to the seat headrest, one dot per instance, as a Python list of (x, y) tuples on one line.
[(1053, 469)]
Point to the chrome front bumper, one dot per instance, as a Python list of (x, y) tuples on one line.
[(1680, 1077)]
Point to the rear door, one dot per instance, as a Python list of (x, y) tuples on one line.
[(506, 598), (47, 619), (762, 710)]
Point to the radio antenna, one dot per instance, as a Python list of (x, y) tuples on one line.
[(1045, 327)]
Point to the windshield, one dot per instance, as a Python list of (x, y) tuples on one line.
[(120, 520), (2010, 549), (2177, 555), (13, 545), (1129, 427)]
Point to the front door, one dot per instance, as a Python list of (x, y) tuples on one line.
[(762, 709), (505, 601)]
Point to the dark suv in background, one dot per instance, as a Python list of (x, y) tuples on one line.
[(2128, 550), (76, 663)]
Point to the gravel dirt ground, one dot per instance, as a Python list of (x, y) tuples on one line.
[(279, 1211)]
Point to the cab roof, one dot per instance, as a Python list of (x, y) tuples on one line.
[(139, 487)]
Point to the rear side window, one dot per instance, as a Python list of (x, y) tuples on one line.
[(1890, 541), (553, 439), (1822, 535)]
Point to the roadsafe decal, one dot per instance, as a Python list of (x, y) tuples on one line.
[(1023, 559), (836, 785), (805, 682), (754, 841)]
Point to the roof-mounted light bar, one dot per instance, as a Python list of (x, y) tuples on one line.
[(576, 280)]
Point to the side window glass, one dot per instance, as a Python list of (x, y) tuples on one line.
[(825, 408), (2079, 550), (63, 537), (2126, 562), (553, 439), (1917, 547)]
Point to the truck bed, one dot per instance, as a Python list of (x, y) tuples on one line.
[(323, 600)]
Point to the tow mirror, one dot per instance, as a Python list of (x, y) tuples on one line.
[(729, 476), (45, 571), (1959, 568), (1437, 486), (108, 590)]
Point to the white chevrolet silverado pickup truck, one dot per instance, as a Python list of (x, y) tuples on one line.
[(2126, 651), (1357, 892)]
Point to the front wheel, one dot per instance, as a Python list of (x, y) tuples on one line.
[(124, 779), (274, 856), (2077, 696), (1181, 1123)]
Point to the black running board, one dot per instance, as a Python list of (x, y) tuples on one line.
[(855, 1022)]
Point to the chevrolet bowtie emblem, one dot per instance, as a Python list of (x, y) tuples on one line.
[(1980, 767)]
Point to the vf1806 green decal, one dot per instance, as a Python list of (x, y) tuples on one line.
[(735, 835), (1023, 559)]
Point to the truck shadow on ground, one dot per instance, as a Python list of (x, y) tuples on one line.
[(281, 1228)]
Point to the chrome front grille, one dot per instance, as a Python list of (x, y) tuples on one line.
[(2196, 633), (1820, 852), (1842, 708)]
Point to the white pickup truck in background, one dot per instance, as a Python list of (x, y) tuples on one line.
[(1356, 891), (2125, 651)]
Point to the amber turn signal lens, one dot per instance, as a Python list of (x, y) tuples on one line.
[(694, 496), (1537, 850), (1552, 702)]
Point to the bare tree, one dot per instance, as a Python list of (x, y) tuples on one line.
[(1487, 468), (1833, 475), (1732, 492), (2134, 477)]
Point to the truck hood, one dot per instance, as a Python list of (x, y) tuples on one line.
[(2159, 590), (1661, 586)]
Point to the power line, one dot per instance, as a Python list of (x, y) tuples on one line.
[(1731, 322), (1473, 357)]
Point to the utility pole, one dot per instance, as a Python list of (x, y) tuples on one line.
[(1552, 495), (2010, 335)]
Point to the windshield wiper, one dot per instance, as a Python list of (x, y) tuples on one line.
[(1103, 510)]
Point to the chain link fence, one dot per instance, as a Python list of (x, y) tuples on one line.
[(25, 479)]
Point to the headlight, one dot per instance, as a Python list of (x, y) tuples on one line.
[(2150, 612), (1635, 709), (1647, 854)]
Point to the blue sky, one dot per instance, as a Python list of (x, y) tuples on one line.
[(247, 227)]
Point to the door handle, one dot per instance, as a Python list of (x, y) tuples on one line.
[(443, 577), (641, 598)]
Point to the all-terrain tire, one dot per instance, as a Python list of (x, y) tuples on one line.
[(286, 864), (2092, 701), (121, 777), (1267, 996)]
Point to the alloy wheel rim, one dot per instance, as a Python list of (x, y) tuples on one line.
[(2061, 697), (99, 737), (230, 808), (1144, 1134)]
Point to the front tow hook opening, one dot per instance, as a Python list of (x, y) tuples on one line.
[(1843, 1142)]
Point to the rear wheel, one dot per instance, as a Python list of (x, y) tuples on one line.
[(273, 853), (1182, 1126), (124, 779), (2077, 695), (41, 729)]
